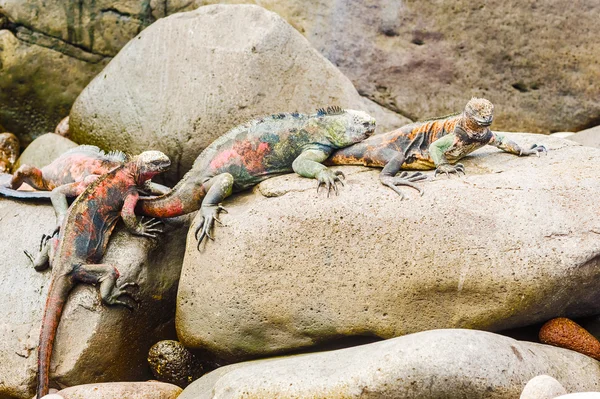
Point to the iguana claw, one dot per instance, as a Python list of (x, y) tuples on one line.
[(534, 149), (148, 228), (329, 178), (404, 179), (449, 169), (210, 215)]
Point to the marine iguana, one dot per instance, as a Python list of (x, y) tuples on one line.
[(83, 239), (258, 150), (67, 176), (435, 143)]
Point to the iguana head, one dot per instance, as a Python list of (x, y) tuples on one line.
[(345, 126), (149, 164), (480, 111)]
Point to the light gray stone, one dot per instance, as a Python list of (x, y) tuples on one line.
[(589, 137), (513, 243), (95, 343), (192, 76), (542, 387), (122, 390), (580, 395), (433, 364)]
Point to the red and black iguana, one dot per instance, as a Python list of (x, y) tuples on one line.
[(67, 176), (258, 150), (83, 238), (435, 143)]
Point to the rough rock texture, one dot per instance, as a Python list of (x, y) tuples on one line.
[(62, 129), (122, 390), (191, 77), (433, 364), (37, 84), (589, 137), (9, 151), (536, 61), (95, 343), (515, 242), (43, 150), (580, 395), (542, 387), (171, 362), (567, 334)]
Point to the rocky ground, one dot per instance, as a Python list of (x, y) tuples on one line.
[(360, 295)]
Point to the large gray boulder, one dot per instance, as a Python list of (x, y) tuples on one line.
[(191, 77), (515, 242), (589, 137), (448, 364), (95, 343)]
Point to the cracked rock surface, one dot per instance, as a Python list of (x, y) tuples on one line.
[(515, 242)]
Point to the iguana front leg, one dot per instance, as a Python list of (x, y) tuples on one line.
[(308, 164), (59, 196), (505, 144), (436, 152), (142, 228), (219, 188)]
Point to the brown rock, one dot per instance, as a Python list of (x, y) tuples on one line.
[(565, 333), (171, 362), (122, 390), (191, 77), (9, 151), (38, 84)]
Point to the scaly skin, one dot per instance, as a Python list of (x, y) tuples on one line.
[(83, 239), (66, 177), (9, 151), (436, 143), (258, 150)]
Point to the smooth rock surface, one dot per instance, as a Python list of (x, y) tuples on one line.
[(589, 137), (122, 390), (514, 243), (193, 76), (542, 387), (45, 149), (433, 364), (580, 395), (94, 343)]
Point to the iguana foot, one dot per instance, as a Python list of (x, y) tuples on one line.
[(329, 178), (535, 149), (210, 215), (449, 169), (147, 228), (40, 262), (117, 292), (404, 179)]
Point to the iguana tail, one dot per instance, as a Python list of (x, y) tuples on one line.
[(57, 296), (184, 198), (26, 195)]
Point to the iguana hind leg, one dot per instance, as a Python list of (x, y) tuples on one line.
[(41, 261), (30, 175), (219, 188), (392, 167), (106, 275)]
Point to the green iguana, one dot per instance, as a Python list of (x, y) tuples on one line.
[(67, 176), (82, 241), (258, 150), (435, 143)]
